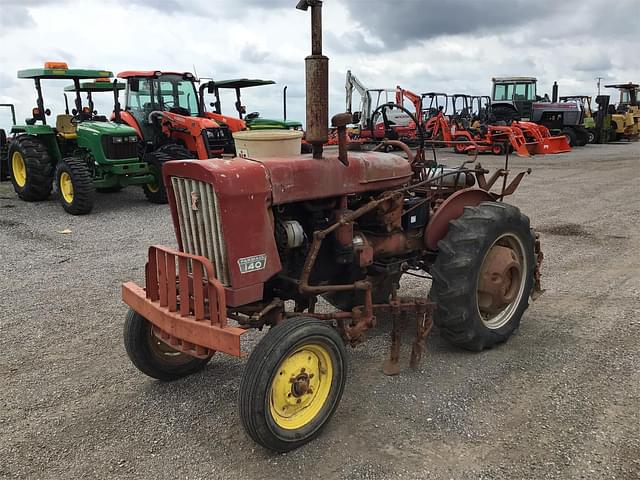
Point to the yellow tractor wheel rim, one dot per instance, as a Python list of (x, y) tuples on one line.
[(153, 187), (301, 387), (66, 187), (19, 169)]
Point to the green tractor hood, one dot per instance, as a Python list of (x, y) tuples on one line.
[(271, 124)]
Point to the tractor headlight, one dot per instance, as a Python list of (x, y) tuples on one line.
[(117, 139), (133, 138)]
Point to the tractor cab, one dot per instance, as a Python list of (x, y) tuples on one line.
[(626, 116), (99, 85), (164, 109), (512, 97), (244, 120), (629, 95), (438, 102)]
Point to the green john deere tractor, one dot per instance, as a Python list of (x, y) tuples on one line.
[(81, 153)]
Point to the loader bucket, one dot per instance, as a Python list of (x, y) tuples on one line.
[(549, 145), (543, 143)]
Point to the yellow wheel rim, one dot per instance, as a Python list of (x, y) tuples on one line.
[(153, 187), (19, 169), (301, 387), (66, 187)]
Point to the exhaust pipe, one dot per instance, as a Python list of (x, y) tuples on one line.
[(317, 82)]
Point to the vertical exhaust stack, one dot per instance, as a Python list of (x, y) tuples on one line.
[(317, 82)]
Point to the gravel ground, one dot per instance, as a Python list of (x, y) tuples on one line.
[(561, 399)]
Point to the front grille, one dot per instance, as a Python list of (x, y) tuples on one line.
[(119, 151), (217, 140), (200, 225)]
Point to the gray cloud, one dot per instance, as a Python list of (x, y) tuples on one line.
[(400, 23)]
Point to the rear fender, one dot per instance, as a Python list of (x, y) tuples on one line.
[(452, 208), (45, 134)]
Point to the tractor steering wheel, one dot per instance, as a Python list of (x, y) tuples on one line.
[(389, 132)]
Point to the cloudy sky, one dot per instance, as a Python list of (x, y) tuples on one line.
[(423, 45)]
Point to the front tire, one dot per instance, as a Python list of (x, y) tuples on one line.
[(156, 191), (152, 356), (75, 186), (483, 275), (30, 169), (292, 383)]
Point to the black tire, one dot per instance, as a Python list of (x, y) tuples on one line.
[(572, 139), (460, 147), (497, 149), (257, 401), (456, 275), (79, 200), (157, 193), (38, 166), (592, 137), (582, 136), (153, 357)]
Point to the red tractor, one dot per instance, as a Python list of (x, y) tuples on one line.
[(165, 109), (257, 236)]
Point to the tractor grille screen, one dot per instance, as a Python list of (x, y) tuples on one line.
[(217, 139), (200, 225), (119, 151)]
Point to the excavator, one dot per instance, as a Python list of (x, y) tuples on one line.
[(371, 122)]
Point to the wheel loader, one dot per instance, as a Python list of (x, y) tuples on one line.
[(261, 239)]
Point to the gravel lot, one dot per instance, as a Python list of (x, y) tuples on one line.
[(561, 399)]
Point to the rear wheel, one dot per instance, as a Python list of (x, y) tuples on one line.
[(497, 149), (156, 191), (483, 275), (572, 139), (75, 186), (152, 356), (30, 168), (292, 383)]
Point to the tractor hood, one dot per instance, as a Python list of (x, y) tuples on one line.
[(235, 196), (105, 128)]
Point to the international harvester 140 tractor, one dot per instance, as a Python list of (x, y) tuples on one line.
[(260, 239)]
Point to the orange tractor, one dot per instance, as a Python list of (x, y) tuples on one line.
[(469, 129), (164, 109)]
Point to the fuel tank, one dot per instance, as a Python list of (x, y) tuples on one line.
[(306, 178)]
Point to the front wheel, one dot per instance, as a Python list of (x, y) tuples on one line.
[(156, 191), (152, 356), (75, 186), (461, 147), (292, 383), (483, 275)]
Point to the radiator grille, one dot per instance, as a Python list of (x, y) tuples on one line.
[(119, 151), (200, 227)]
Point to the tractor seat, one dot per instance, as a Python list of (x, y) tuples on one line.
[(66, 129)]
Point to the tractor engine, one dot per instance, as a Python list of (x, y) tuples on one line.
[(255, 220)]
